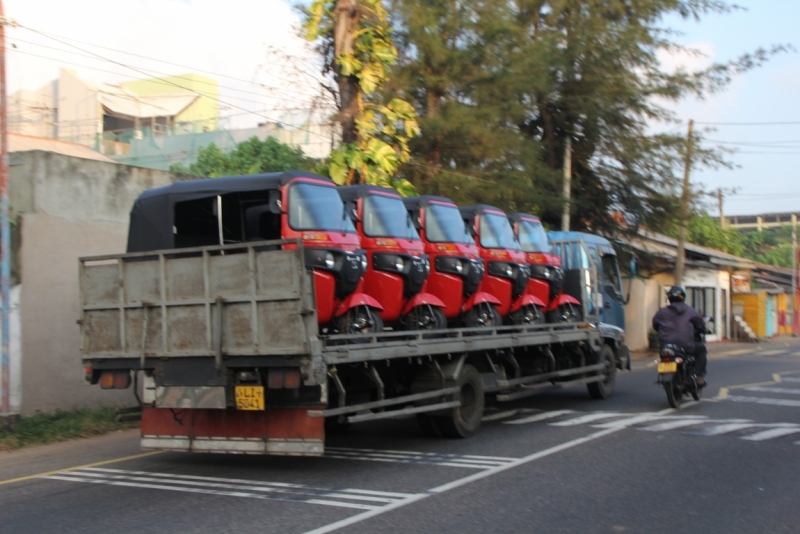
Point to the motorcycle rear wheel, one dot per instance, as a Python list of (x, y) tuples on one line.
[(695, 390), (674, 395)]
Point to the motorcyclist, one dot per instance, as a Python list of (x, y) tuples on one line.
[(677, 324)]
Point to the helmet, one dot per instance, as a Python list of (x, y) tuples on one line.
[(676, 294)]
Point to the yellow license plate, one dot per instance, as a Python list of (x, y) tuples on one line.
[(249, 397), (667, 367)]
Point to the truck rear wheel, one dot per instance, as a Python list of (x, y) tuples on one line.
[(463, 421), (605, 388)]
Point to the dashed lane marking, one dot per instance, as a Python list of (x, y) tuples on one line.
[(723, 429), (358, 499), (770, 352), (790, 379), (466, 461)]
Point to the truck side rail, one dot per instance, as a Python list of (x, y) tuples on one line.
[(243, 299)]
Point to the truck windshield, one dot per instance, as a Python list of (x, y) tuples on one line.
[(317, 207), (387, 217), (443, 224), (533, 238), (496, 232)]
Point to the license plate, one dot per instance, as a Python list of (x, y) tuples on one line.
[(667, 367), (249, 397)]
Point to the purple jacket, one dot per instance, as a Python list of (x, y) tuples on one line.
[(677, 324)]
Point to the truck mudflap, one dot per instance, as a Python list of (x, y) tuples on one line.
[(278, 431)]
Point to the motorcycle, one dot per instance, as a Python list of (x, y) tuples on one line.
[(676, 370)]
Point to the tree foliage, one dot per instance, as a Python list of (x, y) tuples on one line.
[(249, 157), (355, 39), (500, 86)]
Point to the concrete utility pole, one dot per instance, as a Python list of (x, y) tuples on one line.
[(684, 208), (5, 235), (567, 184), (722, 222)]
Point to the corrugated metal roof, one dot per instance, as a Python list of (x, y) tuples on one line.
[(23, 143)]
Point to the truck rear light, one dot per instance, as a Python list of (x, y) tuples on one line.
[(87, 374), (275, 379), (107, 380), (291, 379), (115, 380), (122, 380)]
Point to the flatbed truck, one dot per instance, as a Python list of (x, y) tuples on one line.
[(223, 349)]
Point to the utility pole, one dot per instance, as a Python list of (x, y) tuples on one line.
[(684, 208), (722, 222), (567, 184), (5, 235), (794, 275)]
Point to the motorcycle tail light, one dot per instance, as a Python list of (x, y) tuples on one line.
[(679, 360)]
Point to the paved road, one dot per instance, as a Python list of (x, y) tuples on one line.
[(555, 463)]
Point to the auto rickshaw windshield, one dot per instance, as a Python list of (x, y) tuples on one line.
[(496, 232), (317, 207), (533, 238), (386, 216), (443, 224)]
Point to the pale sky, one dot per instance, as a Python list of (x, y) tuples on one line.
[(230, 40)]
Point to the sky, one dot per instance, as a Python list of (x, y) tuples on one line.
[(242, 43)]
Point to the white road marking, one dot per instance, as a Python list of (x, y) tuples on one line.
[(347, 498), (468, 479), (733, 352), (771, 352), (768, 389), (724, 429), (790, 379), (587, 418), (413, 457), (764, 400), (506, 414), (772, 433), (682, 423), (539, 417)]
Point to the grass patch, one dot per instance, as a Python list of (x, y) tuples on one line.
[(62, 425)]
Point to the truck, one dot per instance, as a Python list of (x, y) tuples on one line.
[(225, 353)]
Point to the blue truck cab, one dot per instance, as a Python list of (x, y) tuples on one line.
[(579, 250)]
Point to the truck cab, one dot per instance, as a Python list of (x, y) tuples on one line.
[(580, 250)]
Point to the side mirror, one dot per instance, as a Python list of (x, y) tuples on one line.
[(275, 204), (634, 265)]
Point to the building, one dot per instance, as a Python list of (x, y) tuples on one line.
[(748, 223), (107, 117), (707, 279)]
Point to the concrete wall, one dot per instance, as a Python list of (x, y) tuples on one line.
[(65, 208)]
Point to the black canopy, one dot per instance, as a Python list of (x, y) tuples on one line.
[(153, 213)]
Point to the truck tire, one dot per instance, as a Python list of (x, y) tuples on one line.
[(483, 315), (429, 425), (604, 389), (465, 420), (361, 320)]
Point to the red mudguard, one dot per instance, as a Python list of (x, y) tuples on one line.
[(481, 296), (420, 299), (527, 300), (358, 299), (563, 298)]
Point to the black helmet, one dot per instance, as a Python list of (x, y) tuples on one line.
[(676, 294)]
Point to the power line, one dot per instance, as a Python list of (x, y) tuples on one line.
[(53, 36), (748, 123), (172, 83)]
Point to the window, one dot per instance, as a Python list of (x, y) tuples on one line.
[(702, 299), (443, 224), (386, 216), (496, 232), (611, 273)]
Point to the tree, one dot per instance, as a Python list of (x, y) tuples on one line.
[(500, 86), (707, 232), (249, 157), (355, 41)]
